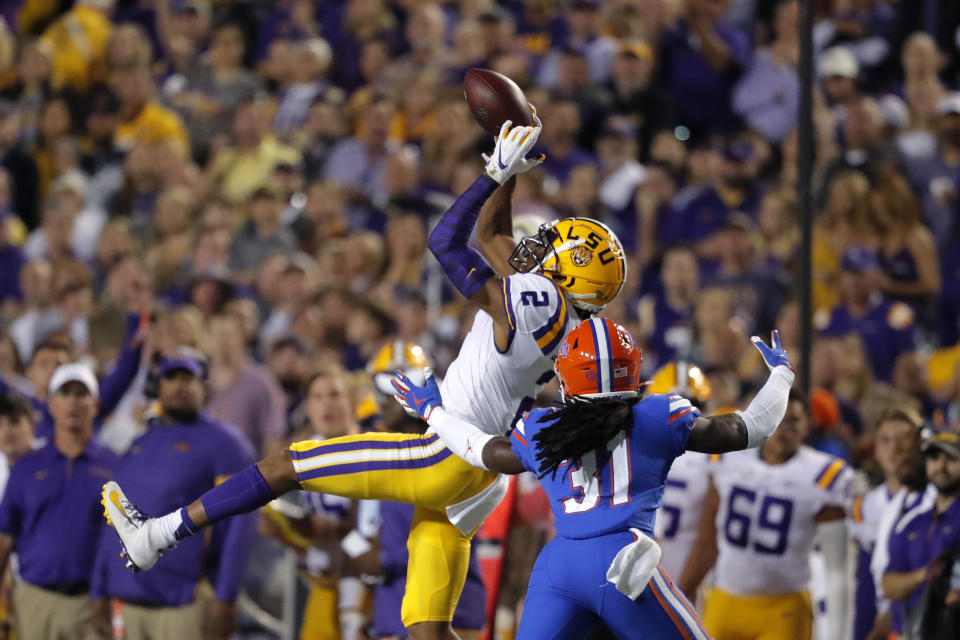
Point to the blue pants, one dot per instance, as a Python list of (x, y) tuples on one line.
[(569, 595)]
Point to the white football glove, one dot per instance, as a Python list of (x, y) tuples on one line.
[(510, 154)]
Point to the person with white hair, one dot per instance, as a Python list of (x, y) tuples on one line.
[(312, 61)]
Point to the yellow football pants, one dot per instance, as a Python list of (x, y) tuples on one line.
[(418, 470), (786, 617)]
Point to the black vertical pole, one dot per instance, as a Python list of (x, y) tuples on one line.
[(805, 188)]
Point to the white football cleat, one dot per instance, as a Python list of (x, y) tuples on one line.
[(131, 527)]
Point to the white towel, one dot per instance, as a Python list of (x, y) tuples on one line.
[(468, 515), (634, 565)]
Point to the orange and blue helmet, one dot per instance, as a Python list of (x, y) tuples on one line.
[(599, 359)]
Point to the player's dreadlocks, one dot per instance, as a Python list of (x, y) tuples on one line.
[(581, 426)]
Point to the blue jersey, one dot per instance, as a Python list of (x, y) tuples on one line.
[(622, 486)]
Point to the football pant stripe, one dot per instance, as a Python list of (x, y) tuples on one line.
[(357, 445), (373, 465), (691, 624), (330, 459)]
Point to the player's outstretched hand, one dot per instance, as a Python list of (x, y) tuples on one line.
[(774, 355), (510, 155), (418, 402)]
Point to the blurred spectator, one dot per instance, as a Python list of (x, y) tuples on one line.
[(666, 317), (924, 541), (76, 42), (263, 234), (51, 490), (358, 163), (886, 328), (767, 96), (16, 432), (141, 119), (908, 253), (244, 393), (702, 58), (20, 167), (584, 24), (12, 260), (289, 359), (934, 178), (562, 149), (196, 452), (620, 174), (838, 71), (697, 210), (248, 164), (756, 292), (213, 86), (636, 95), (311, 60), (845, 221)]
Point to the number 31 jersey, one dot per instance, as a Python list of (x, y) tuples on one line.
[(621, 485), (491, 388), (765, 520)]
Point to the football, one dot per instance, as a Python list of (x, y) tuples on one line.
[(494, 98)]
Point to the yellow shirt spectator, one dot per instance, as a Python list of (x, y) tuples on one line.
[(154, 123), (240, 172), (75, 44)]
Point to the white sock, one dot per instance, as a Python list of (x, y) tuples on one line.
[(162, 535)]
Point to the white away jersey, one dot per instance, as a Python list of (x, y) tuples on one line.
[(765, 521), (493, 389), (678, 520)]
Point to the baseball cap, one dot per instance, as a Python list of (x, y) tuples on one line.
[(859, 259), (949, 103), (74, 372), (839, 61), (180, 364), (946, 441)]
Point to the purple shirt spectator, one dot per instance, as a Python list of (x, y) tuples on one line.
[(112, 386), (700, 93), (191, 458), (767, 97), (915, 542), (51, 508), (254, 403)]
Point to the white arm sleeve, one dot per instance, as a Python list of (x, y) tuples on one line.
[(461, 437), (768, 407), (833, 544)]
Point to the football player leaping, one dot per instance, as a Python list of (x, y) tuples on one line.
[(603, 459), (570, 268)]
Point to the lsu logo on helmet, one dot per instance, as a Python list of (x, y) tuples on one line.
[(582, 256)]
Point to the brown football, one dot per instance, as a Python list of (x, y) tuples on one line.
[(494, 98)]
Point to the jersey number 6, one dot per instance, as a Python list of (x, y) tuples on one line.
[(774, 517), (587, 481)]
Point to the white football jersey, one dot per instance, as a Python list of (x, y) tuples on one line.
[(678, 519), (864, 521), (765, 521), (493, 389)]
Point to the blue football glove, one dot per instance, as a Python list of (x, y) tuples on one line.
[(774, 355), (417, 401)]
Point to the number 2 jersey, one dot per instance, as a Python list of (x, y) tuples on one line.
[(621, 485), (492, 389), (766, 518)]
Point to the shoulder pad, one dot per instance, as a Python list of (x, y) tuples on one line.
[(830, 473), (899, 316), (536, 306)]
